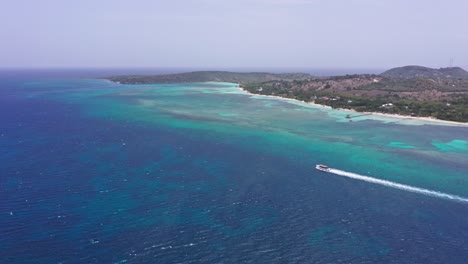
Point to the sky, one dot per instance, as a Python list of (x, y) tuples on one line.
[(234, 33)]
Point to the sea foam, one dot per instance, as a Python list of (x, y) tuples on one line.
[(399, 186)]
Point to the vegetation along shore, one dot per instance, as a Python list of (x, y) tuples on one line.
[(413, 91)]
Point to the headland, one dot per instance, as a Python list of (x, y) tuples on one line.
[(406, 92)]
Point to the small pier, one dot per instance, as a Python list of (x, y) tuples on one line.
[(351, 116)]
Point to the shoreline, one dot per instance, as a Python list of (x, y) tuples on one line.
[(417, 118)]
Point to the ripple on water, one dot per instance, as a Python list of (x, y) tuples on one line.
[(336, 239)]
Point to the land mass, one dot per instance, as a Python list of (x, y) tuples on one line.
[(409, 90), (210, 76)]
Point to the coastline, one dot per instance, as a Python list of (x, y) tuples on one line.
[(417, 118)]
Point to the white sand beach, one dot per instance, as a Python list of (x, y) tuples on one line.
[(403, 117)]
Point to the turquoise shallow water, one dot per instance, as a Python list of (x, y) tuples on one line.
[(101, 172), (407, 151)]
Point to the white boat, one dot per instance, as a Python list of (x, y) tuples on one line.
[(322, 167)]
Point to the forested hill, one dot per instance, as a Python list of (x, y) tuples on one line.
[(209, 76), (408, 72)]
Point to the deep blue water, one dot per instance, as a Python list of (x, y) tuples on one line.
[(76, 188)]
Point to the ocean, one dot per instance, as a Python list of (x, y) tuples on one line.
[(98, 172)]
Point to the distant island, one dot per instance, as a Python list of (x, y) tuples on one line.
[(210, 76), (410, 90)]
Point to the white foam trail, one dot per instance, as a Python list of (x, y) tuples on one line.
[(399, 186)]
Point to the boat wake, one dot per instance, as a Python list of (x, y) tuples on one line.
[(399, 186)]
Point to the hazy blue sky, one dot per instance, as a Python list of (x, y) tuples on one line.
[(237, 33)]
